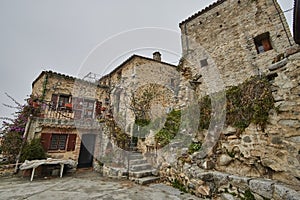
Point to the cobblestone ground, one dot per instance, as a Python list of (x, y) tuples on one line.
[(86, 185)]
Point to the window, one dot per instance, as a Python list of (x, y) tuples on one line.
[(263, 43), (58, 141), (119, 75), (63, 100), (84, 108), (88, 107), (203, 63), (59, 101)]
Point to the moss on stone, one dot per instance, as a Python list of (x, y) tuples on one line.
[(177, 184), (142, 122), (248, 195), (194, 146)]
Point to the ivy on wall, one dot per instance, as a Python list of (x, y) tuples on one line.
[(169, 130), (119, 136), (249, 102)]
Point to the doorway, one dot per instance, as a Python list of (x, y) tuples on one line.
[(86, 150)]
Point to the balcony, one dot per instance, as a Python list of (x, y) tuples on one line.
[(64, 117), (62, 113)]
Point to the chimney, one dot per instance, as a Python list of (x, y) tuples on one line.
[(157, 56)]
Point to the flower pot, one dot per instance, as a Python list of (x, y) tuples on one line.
[(35, 104), (68, 105)]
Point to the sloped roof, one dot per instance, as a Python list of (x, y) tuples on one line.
[(51, 72), (59, 74), (132, 58), (211, 6)]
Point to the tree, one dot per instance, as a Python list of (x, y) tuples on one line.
[(13, 129), (140, 102)]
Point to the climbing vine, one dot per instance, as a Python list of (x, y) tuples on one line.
[(249, 102), (170, 128)]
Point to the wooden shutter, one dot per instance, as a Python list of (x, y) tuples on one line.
[(46, 140), (98, 107), (266, 44), (71, 142), (54, 99)]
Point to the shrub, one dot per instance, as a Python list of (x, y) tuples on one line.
[(11, 145), (33, 151)]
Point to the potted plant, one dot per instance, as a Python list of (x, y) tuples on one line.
[(68, 105)]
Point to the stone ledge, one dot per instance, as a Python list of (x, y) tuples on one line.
[(263, 187), (283, 192), (278, 65)]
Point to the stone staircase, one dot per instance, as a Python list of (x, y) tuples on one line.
[(140, 170)]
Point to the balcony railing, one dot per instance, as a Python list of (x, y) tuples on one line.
[(57, 114), (64, 116)]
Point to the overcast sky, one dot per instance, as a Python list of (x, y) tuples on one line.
[(77, 36)]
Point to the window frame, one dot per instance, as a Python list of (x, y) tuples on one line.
[(57, 103), (59, 140), (70, 144), (263, 43)]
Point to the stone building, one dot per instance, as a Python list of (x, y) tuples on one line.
[(130, 79), (70, 110), (223, 45), (71, 124), (237, 38)]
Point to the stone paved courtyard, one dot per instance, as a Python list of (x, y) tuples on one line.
[(86, 185)]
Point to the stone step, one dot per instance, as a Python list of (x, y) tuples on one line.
[(133, 148), (141, 167), (136, 156), (140, 174), (146, 180), (138, 162)]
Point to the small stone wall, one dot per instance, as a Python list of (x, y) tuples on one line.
[(7, 170), (212, 184)]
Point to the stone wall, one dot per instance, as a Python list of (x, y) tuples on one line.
[(132, 78), (223, 35), (49, 83), (265, 162)]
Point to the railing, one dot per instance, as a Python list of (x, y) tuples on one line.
[(57, 114), (64, 116)]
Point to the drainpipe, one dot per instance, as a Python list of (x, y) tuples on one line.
[(23, 142)]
